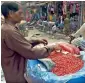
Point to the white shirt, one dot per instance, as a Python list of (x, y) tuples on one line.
[(81, 32)]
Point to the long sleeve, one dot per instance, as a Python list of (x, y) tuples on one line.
[(16, 42), (33, 42)]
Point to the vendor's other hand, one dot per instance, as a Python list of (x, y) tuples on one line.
[(43, 41)]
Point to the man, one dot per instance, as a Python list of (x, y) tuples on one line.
[(79, 41), (66, 26), (15, 48)]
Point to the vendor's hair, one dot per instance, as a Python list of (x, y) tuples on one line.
[(8, 6)]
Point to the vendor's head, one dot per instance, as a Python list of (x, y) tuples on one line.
[(12, 12)]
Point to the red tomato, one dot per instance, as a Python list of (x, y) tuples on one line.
[(65, 64)]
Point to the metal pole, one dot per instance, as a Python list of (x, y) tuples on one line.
[(81, 13)]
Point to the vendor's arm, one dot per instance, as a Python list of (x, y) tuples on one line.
[(35, 42), (16, 42)]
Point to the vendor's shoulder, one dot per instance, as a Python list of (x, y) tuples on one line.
[(7, 28)]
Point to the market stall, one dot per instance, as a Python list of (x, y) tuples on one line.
[(60, 67)]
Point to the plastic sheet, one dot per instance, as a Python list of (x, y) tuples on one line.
[(37, 70)]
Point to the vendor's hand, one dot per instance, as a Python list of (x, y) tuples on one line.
[(35, 42), (54, 47), (71, 38), (43, 41)]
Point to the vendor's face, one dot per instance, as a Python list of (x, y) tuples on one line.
[(17, 16)]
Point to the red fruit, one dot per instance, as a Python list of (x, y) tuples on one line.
[(65, 64)]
